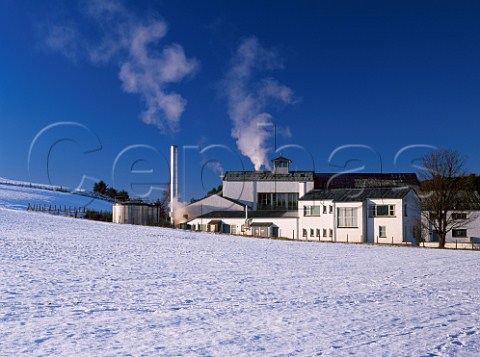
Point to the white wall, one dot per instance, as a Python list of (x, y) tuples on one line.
[(328, 221), (206, 205), (473, 228), (324, 221), (394, 225), (355, 234), (246, 191), (412, 217), (287, 227)]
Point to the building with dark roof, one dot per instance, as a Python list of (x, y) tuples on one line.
[(305, 205)]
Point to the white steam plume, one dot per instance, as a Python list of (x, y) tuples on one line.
[(133, 44), (248, 99)]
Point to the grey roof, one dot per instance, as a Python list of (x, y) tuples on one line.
[(297, 176), (364, 180), (261, 224), (215, 221), (355, 194), (251, 214), (281, 158), (134, 203)]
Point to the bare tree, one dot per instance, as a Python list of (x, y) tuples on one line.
[(446, 201)]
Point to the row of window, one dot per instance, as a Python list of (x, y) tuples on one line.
[(381, 210), (456, 233), (382, 232), (316, 233), (315, 210), (349, 214), (277, 201), (455, 216)]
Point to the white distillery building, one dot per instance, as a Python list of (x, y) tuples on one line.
[(341, 215), (309, 206)]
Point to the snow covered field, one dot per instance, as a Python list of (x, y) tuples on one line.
[(18, 197), (76, 287)]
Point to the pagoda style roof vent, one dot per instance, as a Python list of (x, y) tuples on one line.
[(281, 165)]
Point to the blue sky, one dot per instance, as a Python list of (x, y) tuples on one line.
[(346, 86)]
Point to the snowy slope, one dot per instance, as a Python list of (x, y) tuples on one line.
[(76, 287), (17, 196)]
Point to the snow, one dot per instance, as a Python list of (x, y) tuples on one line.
[(17, 195), (71, 286)]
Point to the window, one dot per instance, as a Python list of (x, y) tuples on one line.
[(330, 233), (312, 232), (324, 209), (278, 201), (382, 231), (304, 233), (381, 210), (330, 209), (318, 232), (459, 233), (233, 229), (311, 211), (459, 216), (324, 232), (203, 227), (346, 217)]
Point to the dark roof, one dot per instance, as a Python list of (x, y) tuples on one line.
[(251, 214), (355, 194), (261, 224), (216, 221), (134, 203), (282, 158), (363, 180), (298, 176)]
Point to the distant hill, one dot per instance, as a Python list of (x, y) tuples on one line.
[(18, 195)]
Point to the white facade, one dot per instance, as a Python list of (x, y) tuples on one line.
[(464, 233), (206, 205), (369, 220), (246, 192), (364, 221), (397, 227), (286, 227)]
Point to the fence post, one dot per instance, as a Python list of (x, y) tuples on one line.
[(392, 240), (347, 238), (377, 239), (456, 243)]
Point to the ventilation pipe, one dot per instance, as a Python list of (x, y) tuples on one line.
[(173, 180)]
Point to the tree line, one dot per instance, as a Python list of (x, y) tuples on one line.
[(102, 188)]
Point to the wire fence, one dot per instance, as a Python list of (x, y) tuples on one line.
[(66, 211)]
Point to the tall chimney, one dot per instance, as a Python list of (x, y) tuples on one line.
[(173, 179)]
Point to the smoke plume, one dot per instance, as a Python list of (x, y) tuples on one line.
[(132, 43), (248, 99)]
